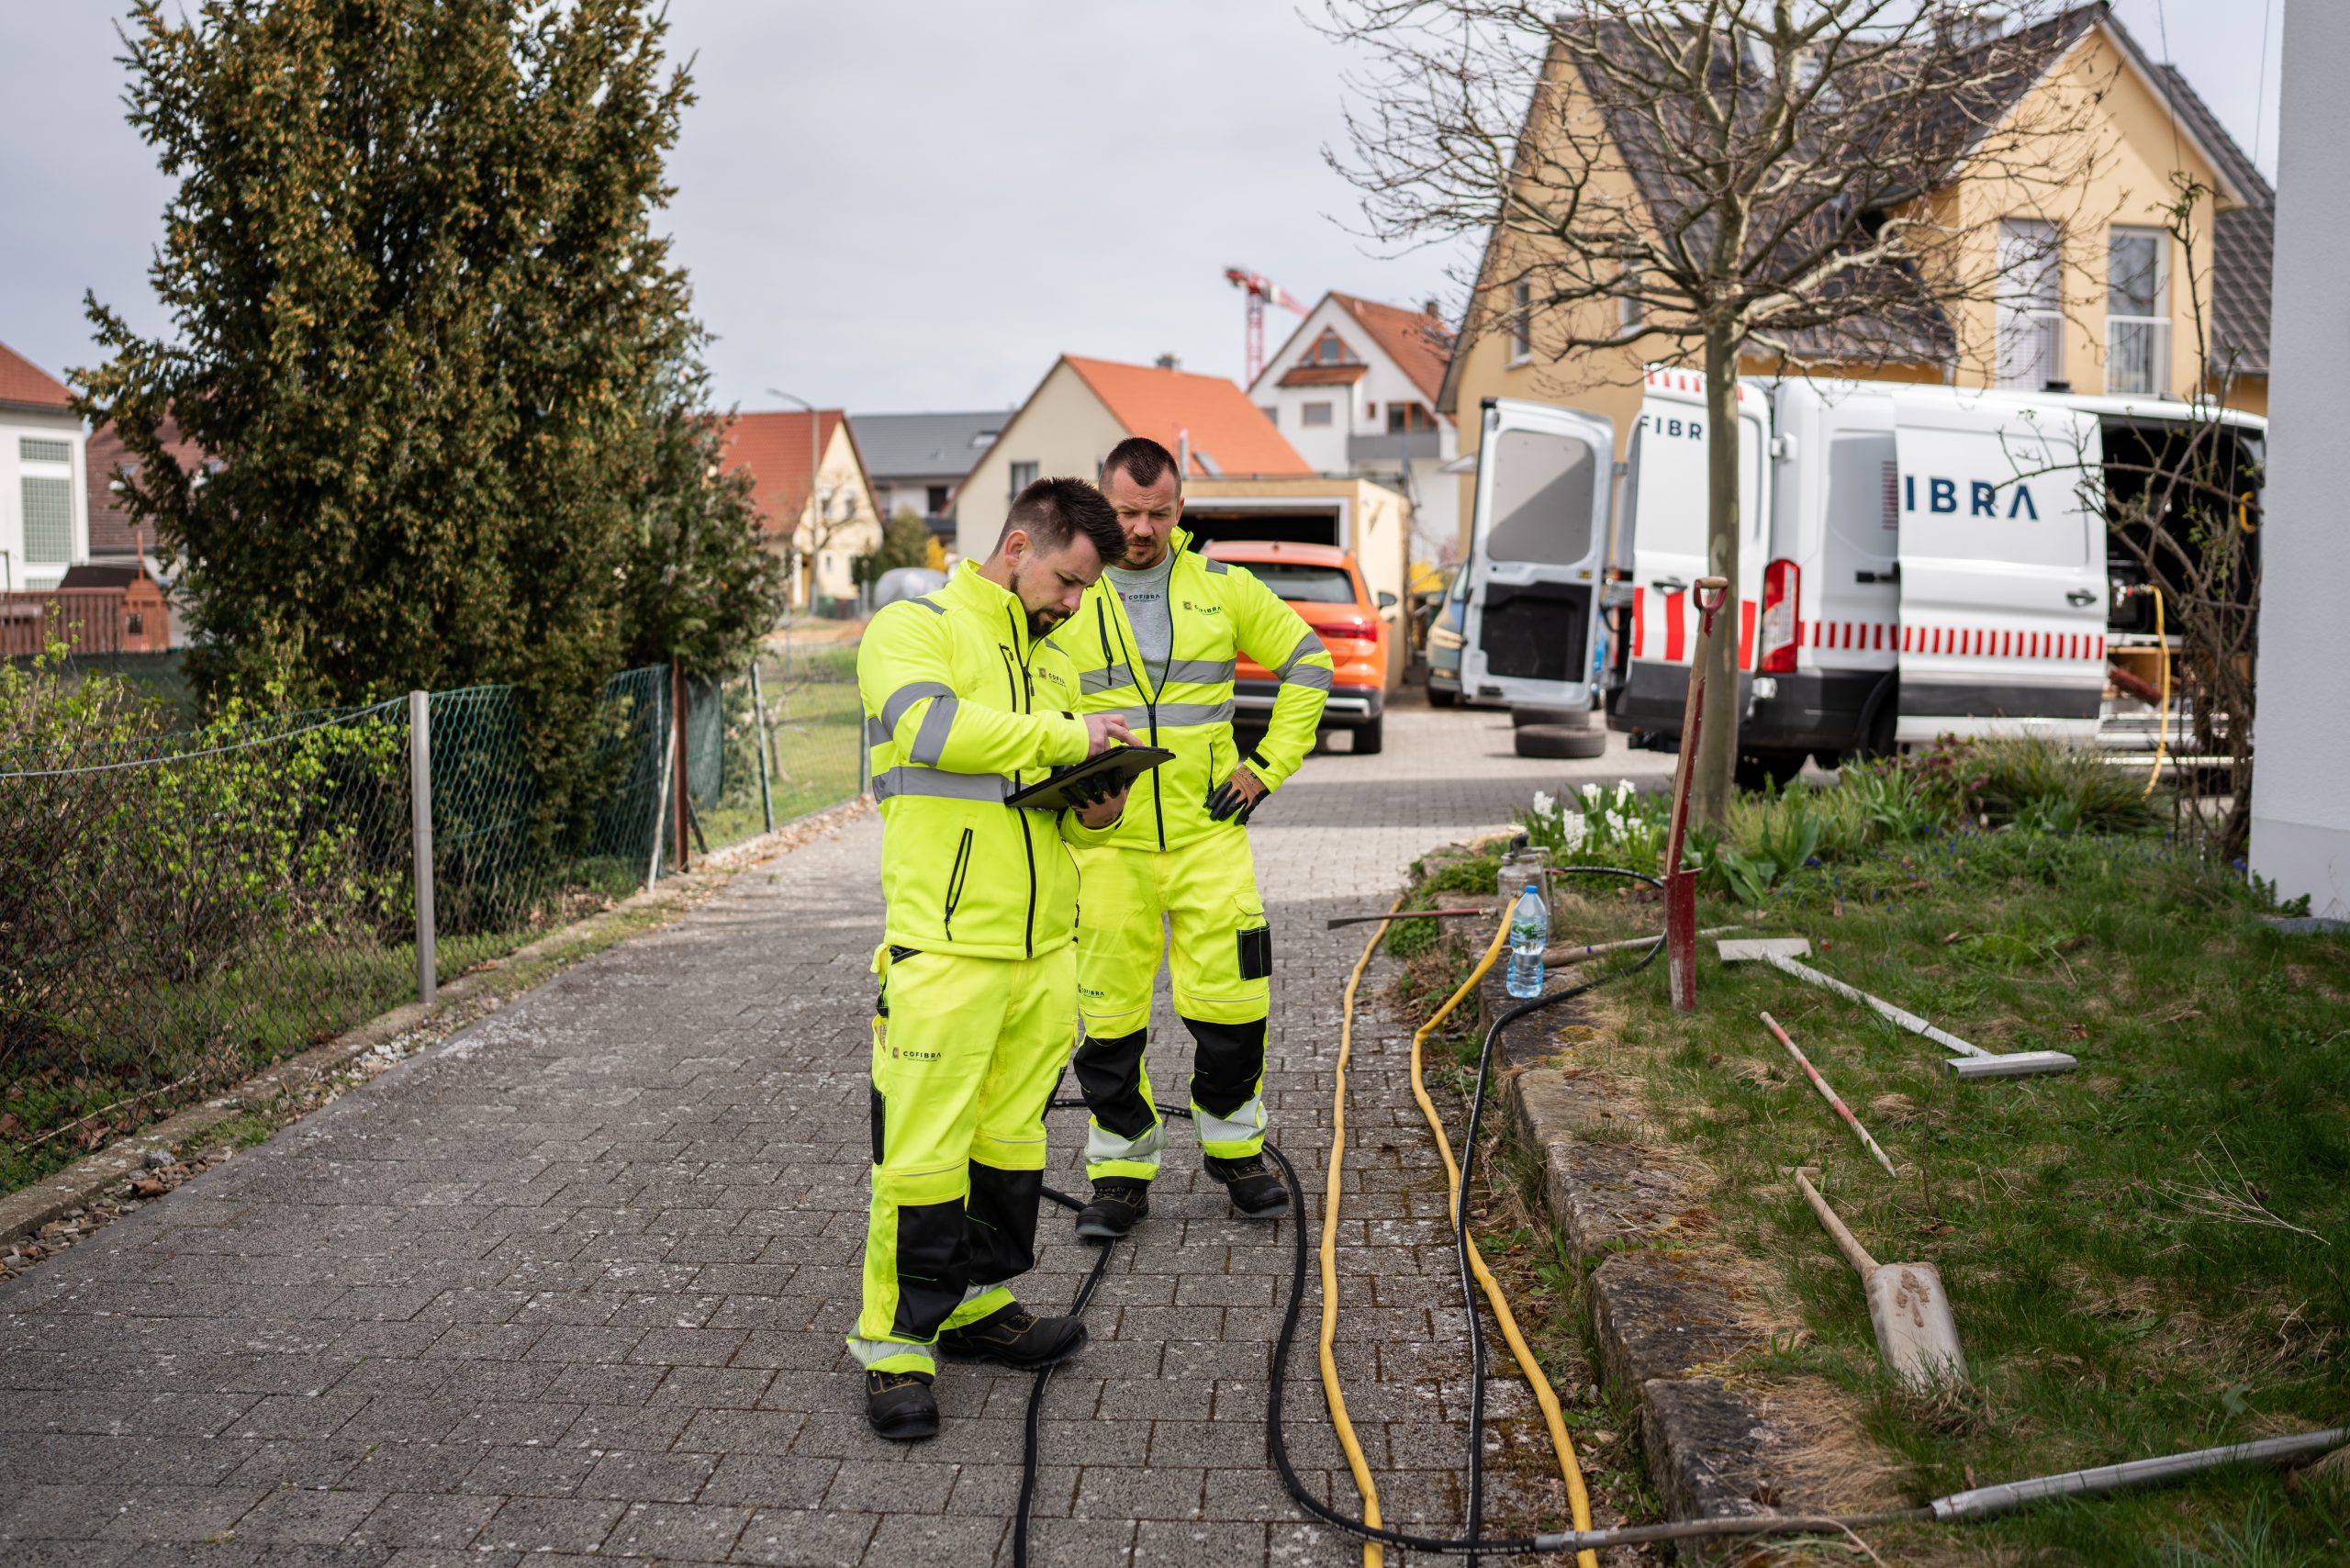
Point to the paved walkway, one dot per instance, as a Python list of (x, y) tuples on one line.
[(575, 1283)]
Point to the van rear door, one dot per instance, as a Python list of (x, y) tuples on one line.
[(1538, 536), (2003, 590)]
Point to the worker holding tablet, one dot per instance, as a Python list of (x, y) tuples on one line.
[(967, 700), (1155, 642)]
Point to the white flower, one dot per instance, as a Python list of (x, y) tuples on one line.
[(1571, 833), (1623, 791), (1590, 794), (1543, 804)]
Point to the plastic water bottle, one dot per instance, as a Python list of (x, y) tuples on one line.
[(1530, 932)]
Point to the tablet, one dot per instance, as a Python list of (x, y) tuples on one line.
[(1118, 766)]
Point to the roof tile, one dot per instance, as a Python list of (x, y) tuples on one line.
[(1169, 406)]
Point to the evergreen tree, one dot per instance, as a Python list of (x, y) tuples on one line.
[(420, 324)]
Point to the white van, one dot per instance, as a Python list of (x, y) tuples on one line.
[(1914, 561)]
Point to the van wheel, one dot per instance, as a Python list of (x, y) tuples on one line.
[(1565, 718), (1370, 737), (1777, 766), (1559, 740), (1442, 699)]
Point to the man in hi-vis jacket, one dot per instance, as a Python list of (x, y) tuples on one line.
[(968, 699), (1155, 642)]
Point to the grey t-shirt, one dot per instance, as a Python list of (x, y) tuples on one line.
[(1146, 594)]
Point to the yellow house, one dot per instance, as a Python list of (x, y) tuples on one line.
[(2116, 316), (828, 524)]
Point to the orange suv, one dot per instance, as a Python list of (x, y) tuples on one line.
[(1323, 584)]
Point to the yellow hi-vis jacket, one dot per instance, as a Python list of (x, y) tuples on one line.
[(1219, 610), (962, 708)]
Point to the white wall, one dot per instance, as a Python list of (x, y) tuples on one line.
[(16, 426), (2301, 803), (1063, 429)]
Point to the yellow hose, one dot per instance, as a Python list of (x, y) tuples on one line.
[(1373, 1555), (2162, 713), (1578, 1496)]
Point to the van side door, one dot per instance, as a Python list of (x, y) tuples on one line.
[(1538, 540), (2002, 560)]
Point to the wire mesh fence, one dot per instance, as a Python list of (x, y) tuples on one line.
[(182, 906)]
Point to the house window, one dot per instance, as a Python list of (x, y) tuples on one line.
[(2137, 310), (2031, 305), (32, 449), (1023, 476), (1313, 414), (1521, 323), (1330, 349), (1272, 412), (936, 495), (49, 521), (1629, 310), (1404, 419)]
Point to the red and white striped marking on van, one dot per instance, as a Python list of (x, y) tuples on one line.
[(1667, 631), (1978, 642)]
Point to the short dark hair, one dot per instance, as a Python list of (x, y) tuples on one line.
[(1053, 512), (1145, 461)]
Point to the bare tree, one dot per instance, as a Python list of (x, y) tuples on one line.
[(1784, 183)]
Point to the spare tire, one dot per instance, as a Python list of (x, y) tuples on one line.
[(1560, 740), (1567, 718)]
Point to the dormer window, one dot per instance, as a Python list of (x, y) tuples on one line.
[(1330, 349)]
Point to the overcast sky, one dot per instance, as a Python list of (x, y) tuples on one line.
[(890, 205)]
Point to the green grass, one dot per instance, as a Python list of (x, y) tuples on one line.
[(814, 763), (2115, 1239)]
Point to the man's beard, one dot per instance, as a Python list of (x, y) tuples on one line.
[(1143, 554), (1043, 621)]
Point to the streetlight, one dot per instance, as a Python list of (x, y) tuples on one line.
[(815, 421)]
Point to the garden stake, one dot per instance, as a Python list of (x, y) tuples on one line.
[(1974, 1062), (1680, 887), (1908, 1306), (1835, 1101)]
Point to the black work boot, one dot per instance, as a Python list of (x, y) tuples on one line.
[(1119, 1202), (1015, 1337), (901, 1405), (1252, 1184)]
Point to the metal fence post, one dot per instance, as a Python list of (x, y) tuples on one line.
[(678, 699), (419, 792), (759, 713), (661, 800)]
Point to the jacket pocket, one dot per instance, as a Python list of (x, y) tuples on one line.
[(955, 877)]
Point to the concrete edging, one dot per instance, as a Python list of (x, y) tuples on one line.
[(459, 1003)]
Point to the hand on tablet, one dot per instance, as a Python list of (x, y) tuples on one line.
[(1103, 812), (1103, 731)]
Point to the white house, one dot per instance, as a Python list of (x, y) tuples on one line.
[(1354, 390), (44, 514)]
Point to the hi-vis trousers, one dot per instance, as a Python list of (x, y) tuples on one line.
[(1221, 960), (966, 1052)]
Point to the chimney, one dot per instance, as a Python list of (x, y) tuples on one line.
[(1167, 361)]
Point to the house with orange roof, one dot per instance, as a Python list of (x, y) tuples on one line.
[(1085, 407), (44, 511), (1354, 390), (822, 526)]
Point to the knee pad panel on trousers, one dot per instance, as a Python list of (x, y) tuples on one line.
[(1229, 1064), (1110, 1073), (932, 1264), (1001, 1221)]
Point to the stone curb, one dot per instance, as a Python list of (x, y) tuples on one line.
[(1661, 1322), (26, 1210)]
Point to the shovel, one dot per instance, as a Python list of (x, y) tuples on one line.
[(1908, 1306), (1974, 1062)]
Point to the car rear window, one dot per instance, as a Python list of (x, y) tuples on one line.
[(1306, 585)]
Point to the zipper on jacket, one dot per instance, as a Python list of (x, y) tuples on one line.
[(961, 869), (1027, 844), (1149, 693)]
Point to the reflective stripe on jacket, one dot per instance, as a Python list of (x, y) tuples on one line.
[(961, 709), (1219, 612)]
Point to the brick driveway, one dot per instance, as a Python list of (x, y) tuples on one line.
[(576, 1281)]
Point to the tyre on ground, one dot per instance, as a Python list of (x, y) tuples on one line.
[(1559, 740), (1775, 766), (1439, 698), (1370, 736), (1562, 718)]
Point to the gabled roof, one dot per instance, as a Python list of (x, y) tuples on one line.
[(773, 447), (25, 384), (1227, 433), (1416, 340), (104, 460), (915, 446)]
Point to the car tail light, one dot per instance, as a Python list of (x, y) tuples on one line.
[(1781, 587)]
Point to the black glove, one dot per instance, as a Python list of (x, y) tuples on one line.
[(1090, 792), (1227, 802)]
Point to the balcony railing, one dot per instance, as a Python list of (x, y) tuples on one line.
[(2137, 355), (1418, 446)]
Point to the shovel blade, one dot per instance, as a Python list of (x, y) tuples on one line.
[(2013, 1064), (1915, 1331)]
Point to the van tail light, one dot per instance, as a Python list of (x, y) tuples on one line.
[(1782, 586)]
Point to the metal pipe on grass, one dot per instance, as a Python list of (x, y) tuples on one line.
[(1835, 1101)]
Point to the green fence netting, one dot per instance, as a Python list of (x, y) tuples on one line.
[(181, 906)]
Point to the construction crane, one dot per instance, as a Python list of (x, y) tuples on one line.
[(1259, 288)]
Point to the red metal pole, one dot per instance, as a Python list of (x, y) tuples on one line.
[(1680, 887)]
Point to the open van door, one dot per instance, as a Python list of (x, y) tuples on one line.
[(1536, 545), (2002, 563)]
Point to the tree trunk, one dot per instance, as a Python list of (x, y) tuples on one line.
[(1711, 789)]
